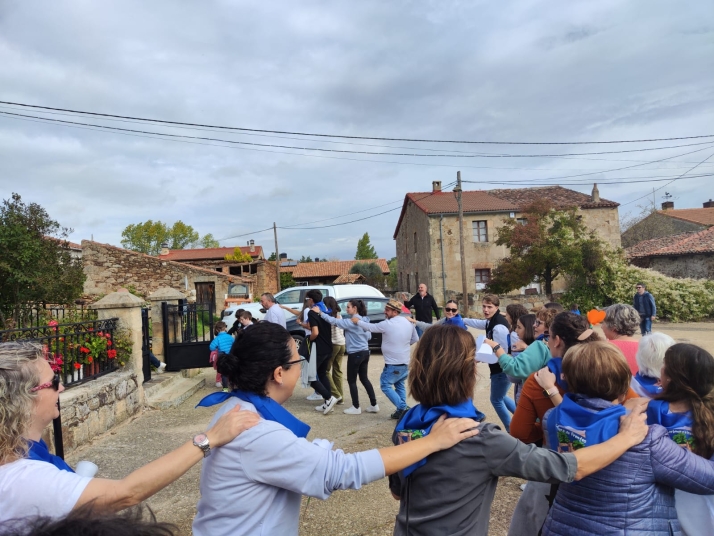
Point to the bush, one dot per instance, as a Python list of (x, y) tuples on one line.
[(678, 300)]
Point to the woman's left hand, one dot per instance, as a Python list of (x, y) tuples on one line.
[(230, 426), (490, 342), (447, 432), (545, 378)]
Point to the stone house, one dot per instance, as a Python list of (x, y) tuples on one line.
[(682, 255), (259, 271), (670, 221), (326, 273), (427, 233), (109, 267)]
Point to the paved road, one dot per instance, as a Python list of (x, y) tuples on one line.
[(369, 511)]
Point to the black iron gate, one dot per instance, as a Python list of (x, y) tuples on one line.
[(188, 330), (145, 344)]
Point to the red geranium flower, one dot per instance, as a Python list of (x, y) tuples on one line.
[(111, 354), (90, 359), (100, 333), (84, 350), (78, 366), (109, 343)]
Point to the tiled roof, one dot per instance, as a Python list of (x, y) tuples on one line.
[(348, 279), (704, 216), (306, 270), (207, 254), (681, 244), (559, 196), (508, 200)]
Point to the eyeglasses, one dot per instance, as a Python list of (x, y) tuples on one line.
[(537, 323), (296, 361), (55, 383), (450, 310)]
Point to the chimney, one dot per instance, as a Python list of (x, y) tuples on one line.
[(435, 186), (709, 204), (317, 260), (667, 205), (164, 249), (595, 198), (251, 243)]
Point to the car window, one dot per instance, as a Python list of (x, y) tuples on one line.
[(289, 296), (374, 306)]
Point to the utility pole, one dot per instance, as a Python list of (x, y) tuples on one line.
[(277, 256), (465, 290)]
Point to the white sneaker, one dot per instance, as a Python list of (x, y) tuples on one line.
[(315, 396), (339, 399), (321, 407), (329, 405), (161, 368), (219, 384), (523, 487), (372, 409), (353, 411)]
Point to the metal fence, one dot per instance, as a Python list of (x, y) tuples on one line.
[(29, 315), (78, 351)]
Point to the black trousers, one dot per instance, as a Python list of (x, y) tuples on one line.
[(322, 384), (357, 364)]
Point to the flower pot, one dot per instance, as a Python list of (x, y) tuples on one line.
[(75, 375), (81, 373), (68, 377)]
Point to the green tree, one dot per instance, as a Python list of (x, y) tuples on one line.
[(365, 250), (546, 244), (305, 259), (392, 278), (272, 256), (371, 272), (36, 264), (238, 256), (147, 237), (286, 280)]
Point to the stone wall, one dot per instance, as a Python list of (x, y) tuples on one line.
[(95, 407), (700, 266), (657, 225), (414, 263), (108, 267)]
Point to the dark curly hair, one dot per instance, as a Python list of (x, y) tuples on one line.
[(255, 354)]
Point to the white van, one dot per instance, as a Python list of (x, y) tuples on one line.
[(294, 297)]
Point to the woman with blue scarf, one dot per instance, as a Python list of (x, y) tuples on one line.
[(686, 409), (450, 492), (634, 495), (254, 486), (451, 317)]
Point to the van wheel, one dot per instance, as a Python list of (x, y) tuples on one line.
[(299, 340)]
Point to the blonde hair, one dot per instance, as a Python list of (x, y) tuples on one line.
[(17, 401)]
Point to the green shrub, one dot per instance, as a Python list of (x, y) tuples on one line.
[(678, 300)]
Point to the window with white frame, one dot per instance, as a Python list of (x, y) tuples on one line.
[(480, 231)]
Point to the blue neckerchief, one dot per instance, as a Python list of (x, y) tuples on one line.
[(543, 337), (420, 419), (555, 365), (581, 422), (648, 385), (267, 408), (678, 425), (323, 308), (40, 452), (456, 321)]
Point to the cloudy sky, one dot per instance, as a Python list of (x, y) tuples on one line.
[(447, 70)]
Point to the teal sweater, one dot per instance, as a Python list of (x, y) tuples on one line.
[(527, 362)]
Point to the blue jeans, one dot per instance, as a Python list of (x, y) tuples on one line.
[(645, 325), (419, 331), (395, 376), (154, 360), (504, 405)]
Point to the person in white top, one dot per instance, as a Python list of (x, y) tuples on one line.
[(398, 334), (273, 311), (38, 487)]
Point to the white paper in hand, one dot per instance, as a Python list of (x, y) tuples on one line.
[(485, 354), (479, 340)]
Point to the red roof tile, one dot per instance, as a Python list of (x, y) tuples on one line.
[(305, 270), (503, 200), (704, 216), (208, 254), (681, 244)]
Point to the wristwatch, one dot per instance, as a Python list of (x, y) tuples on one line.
[(496, 348), (550, 394), (201, 441)]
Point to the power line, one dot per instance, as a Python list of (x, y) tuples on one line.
[(670, 182), (243, 129), (344, 151)]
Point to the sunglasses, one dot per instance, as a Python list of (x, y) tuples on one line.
[(639, 287), (55, 383), (450, 310)]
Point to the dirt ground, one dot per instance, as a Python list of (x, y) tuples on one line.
[(369, 511)]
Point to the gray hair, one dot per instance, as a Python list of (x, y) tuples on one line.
[(622, 319), (650, 353), (17, 401), (268, 296)]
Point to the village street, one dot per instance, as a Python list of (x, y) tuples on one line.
[(369, 511)]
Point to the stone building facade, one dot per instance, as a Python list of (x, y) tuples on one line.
[(669, 222), (427, 233), (109, 267)]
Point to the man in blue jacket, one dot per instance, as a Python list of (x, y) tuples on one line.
[(644, 302)]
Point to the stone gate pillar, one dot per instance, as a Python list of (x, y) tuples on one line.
[(164, 294)]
